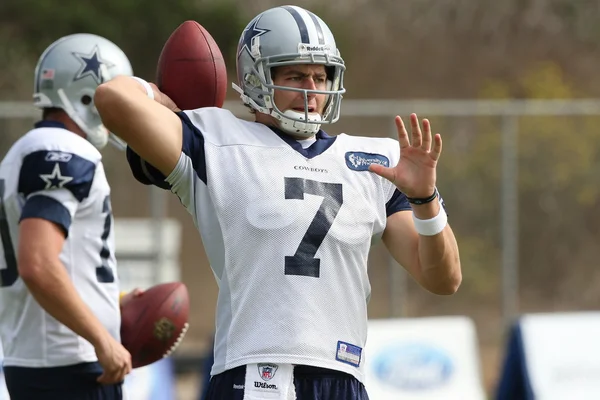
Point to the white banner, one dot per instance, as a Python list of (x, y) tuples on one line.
[(553, 357), (423, 359)]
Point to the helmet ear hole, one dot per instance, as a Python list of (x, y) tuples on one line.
[(330, 71), (86, 100)]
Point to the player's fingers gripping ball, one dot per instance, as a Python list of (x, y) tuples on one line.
[(154, 322)]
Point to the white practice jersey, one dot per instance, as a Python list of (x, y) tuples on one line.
[(53, 174), (287, 232)]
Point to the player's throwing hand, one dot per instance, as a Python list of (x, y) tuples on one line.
[(415, 174)]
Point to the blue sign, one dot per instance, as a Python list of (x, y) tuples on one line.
[(413, 366)]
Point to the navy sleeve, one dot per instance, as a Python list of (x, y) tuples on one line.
[(192, 146), (144, 172), (49, 209), (48, 170), (398, 202)]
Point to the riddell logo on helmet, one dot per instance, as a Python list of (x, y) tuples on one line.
[(308, 48)]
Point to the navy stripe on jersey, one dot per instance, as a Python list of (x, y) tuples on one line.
[(192, 146), (323, 142), (300, 22), (47, 208), (51, 169), (145, 173), (318, 26), (49, 124), (398, 202)]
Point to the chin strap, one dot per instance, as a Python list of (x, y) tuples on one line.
[(289, 123), (97, 136)]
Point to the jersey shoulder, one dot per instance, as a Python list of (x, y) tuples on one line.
[(54, 158), (59, 140), (222, 128)]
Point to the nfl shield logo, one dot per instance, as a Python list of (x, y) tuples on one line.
[(267, 371)]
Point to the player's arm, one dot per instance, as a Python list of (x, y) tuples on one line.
[(150, 127), (53, 184), (40, 268), (433, 261)]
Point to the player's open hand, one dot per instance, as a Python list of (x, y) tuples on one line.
[(114, 359), (415, 173)]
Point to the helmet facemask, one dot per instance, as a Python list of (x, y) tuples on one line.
[(303, 124)]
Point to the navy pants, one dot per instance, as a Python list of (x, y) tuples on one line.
[(311, 383), (73, 382)]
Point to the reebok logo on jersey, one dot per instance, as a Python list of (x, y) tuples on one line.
[(359, 161), (58, 156)]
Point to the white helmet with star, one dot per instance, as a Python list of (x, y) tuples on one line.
[(68, 73)]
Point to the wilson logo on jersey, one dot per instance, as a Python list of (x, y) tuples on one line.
[(263, 385), (359, 161)]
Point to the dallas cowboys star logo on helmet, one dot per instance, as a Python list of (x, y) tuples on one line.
[(91, 65), (251, 32)]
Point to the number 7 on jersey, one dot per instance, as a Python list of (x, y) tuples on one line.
[(303, 262)]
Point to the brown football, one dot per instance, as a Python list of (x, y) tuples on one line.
[(191, 69), (154, 323)]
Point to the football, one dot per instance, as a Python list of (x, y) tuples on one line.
[(154, 323), (191, 69)]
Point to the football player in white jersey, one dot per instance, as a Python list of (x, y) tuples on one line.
[(59, 296), (286, 212)]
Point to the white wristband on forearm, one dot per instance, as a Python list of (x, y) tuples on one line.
[(146, 86), (432, 226)]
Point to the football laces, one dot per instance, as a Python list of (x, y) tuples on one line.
[(178, 341)]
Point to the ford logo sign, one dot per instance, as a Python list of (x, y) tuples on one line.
[(413, 366)]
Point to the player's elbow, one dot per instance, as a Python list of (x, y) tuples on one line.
[(445, 285), (31, 272), (34, 266)]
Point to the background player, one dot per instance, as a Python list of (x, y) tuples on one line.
[(59, 297), (287, 212)]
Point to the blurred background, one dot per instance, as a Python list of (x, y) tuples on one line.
[(509, 84)]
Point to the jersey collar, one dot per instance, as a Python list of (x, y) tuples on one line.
[(49, 124), (323, 142)]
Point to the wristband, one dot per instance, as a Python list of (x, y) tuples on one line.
[(146, 86), (432, 226), (423, 200), (121, 295)]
